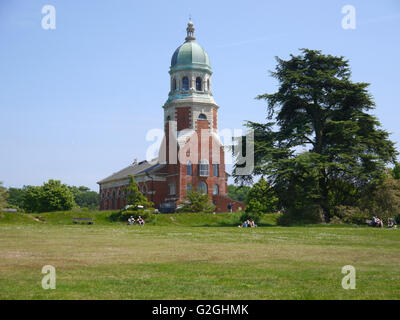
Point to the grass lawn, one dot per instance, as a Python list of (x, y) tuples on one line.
[(189, 256)]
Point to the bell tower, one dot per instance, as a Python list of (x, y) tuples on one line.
[(191, 110)]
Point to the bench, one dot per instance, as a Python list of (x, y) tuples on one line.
[(83, 220)]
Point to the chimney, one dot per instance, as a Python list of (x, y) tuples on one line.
[(135, 161)]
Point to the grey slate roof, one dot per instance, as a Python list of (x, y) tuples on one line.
[(133, 169)]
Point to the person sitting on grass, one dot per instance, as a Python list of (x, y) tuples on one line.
[(392, 223), (140, 221), (252, 223), (131, 221), (376, 222)]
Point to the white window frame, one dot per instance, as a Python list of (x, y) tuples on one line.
[(204, 168)]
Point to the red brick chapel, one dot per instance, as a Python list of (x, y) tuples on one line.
[(191, 156)]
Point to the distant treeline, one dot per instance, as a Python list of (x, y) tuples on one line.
[(51, 196)]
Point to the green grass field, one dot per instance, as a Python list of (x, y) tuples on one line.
[(193, 256)]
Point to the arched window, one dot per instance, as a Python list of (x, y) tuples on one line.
[(174, 84), (189, 187), (198, 84), (215, 189), (169, 118), (202, 116), (185, 83), (204, 168), (189, 169), (202, 187), (114, 204)]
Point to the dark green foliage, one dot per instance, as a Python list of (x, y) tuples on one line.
[(319, 109), (305, 215), (261, 198), (396, 172), (3, 196), (135, 197), (255, 216), (197, 202), (238, 193), (85, 198), (16, 197)]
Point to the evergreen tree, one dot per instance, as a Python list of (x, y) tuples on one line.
[(134, 196), (396, 172), (318, 108)]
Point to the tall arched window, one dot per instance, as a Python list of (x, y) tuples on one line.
[(202, 187), (202, 116), (199, 84), (215, 189), (185, 83), (204, 168), (189, 169), (174, 84), (114, 205)]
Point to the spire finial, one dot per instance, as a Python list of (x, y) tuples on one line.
[(190, 30)]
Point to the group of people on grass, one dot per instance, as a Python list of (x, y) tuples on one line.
[(140, 221), (376, 222), (248, 224)]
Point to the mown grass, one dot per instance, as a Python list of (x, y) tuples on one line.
[(189, 256)]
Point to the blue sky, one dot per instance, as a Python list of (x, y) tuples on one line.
[(76, 102)]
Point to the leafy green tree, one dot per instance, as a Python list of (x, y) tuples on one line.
[(396, 172), (32, 199), (3, 196), (52, 196), (261, 198), (85, 198), (56, 196), (318, 108), (238, 193), (16, 197), (382, 198), (197, 202), (134, 196)]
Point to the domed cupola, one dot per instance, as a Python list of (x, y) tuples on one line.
[(190, 72), (190, 55)]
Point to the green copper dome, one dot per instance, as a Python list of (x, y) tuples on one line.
[(190, 55)]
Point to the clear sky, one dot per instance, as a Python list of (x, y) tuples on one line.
[(76, 102)]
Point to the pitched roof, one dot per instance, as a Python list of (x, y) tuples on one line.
[(133, 169)]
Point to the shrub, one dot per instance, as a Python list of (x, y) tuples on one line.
[(197, 202), (124, 215), (349, 214), (306, 215), (255, 216), (382, 199)]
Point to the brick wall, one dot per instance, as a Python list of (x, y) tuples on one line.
[(222, 202)]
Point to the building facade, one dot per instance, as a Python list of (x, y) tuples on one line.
[(191, 156)]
